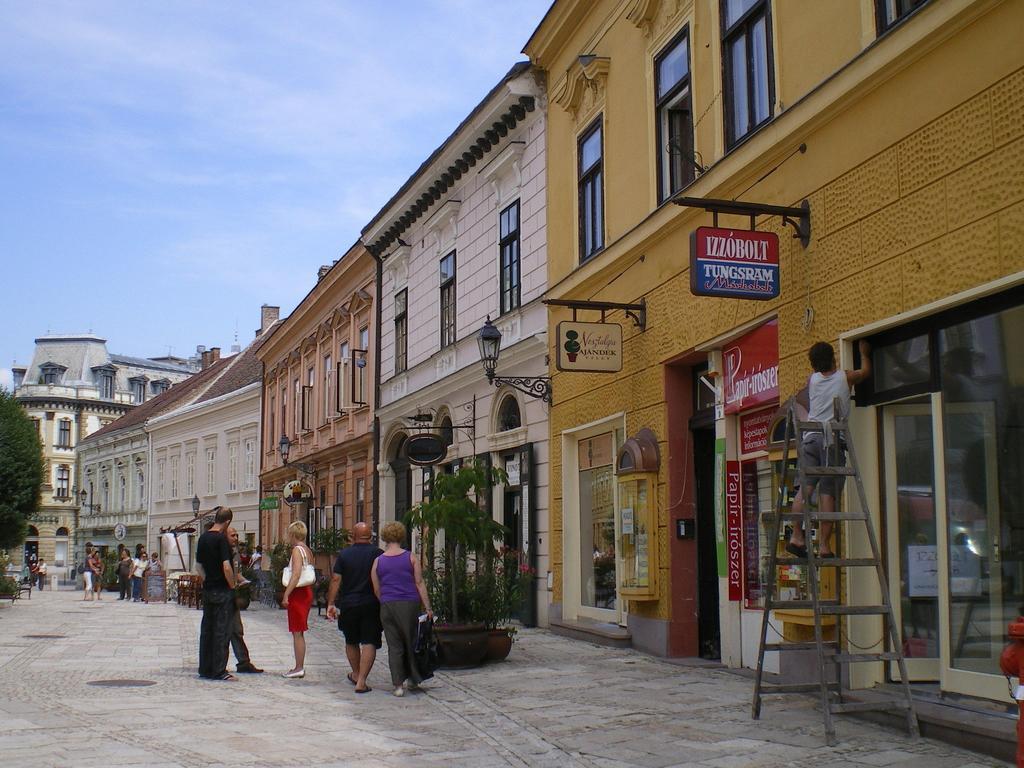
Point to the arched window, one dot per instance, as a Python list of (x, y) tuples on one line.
[(33, 532), (62, 531), (508, 414), (447, 434)]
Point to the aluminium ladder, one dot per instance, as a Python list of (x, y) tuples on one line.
[(831, 691)]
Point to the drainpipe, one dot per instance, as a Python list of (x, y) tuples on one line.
[(375, 515)]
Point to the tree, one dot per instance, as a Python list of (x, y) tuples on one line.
[(21, 471)]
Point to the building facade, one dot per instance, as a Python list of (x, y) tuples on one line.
[(463, 241), (902, 130), (318, 395), (72, 388)]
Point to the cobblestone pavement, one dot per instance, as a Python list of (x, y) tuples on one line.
[(555, 702)]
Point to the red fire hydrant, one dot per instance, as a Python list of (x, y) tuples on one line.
[(1012, 663)]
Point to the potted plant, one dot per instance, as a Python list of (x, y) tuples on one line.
[(326, 544), (452, 575), (110, 559), (279, 557), (506, 584)]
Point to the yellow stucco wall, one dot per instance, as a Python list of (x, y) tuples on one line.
[(914, 170)]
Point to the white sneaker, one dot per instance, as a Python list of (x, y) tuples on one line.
[(399, 691)]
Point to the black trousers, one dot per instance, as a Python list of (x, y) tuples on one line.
[(125, 583), (238, 646), (215, 632)]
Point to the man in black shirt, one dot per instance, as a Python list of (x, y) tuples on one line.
[(360, 612), (213, 555)]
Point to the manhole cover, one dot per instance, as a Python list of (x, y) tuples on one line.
[(122, 683), (44, 637)]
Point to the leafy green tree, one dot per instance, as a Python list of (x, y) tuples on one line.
[(21, 471)]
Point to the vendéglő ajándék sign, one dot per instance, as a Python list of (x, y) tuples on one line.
[(594, 347), (734, 263)]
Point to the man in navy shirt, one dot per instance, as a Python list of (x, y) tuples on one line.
[(213, 554), (359, 619)]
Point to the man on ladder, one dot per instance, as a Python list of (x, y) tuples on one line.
[(825, 387)]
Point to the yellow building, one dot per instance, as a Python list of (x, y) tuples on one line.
[(904, 132)]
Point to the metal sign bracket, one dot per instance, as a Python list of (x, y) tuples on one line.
[(799, 218), (635, 312)]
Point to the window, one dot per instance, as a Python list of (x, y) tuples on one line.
[(308, 406), (250, 464), (190, 474), (138, 390), (344, 376), (106, 494), (50, 376), (297, 407), (674, 117), (749, 87), (174, 477), (63, 481), (448, 300), (232, 467), (325, 413), (123, 483), (508, 414), (140, 488), (160, 386), (271, 414), (401, 331), (888, 13), (161, 465), (284, 414), (64, 433), (508, 246), (591, 193), (360, 363), (339, 504), (107, 386), (360, 500), (211, 471)]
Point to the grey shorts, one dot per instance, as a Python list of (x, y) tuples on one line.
[(815, 454)]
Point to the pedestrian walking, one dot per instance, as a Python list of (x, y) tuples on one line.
[(213, 554), (256, 562), (41, 573), (824, 387), (242, 661), (86, 570), (398, 583), (97, 567), (124, 574), (139, 567), (357, 609), (298, 599)]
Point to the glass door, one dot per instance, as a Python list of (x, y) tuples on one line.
[(599, 557), (912, 536)]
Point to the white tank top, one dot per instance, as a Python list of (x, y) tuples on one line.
[(822, 390)]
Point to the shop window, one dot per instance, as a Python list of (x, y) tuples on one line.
[(889, 13), (749, 87), (674, 118), (590, 162), (637, 477), (597, 522)]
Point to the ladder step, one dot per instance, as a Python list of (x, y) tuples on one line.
[(854, 610), (797, 646), (846, 658), (867, 706), (768, 689), (830, 471), (827, 517), (845, 562), (816, 426), (790, 604)]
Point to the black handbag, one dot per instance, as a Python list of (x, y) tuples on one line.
[(425, 649)]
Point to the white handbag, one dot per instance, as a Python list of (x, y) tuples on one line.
[(306, 576)]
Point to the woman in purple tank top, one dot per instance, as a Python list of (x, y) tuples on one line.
[(398, 584)]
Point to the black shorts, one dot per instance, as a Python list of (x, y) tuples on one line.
[(361, 625)]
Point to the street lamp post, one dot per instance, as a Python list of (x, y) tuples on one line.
[(284, 447), (489, 342)]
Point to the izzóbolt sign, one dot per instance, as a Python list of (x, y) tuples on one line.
[(734, 263)]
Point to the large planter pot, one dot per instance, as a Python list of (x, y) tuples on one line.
[(461, 646), (499, 644)]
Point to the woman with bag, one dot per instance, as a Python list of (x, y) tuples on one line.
[(398, 583), (298, 578)]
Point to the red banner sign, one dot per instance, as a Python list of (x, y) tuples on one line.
[(751, 363), (733, 530), (735, 263), (754, 428)]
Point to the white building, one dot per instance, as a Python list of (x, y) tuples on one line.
[(72, 388), (461, 241)]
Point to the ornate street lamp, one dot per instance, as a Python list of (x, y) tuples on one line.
[(195, 505), (284, 447), (489, 342)]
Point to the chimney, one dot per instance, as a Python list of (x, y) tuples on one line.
[(214, 354), (320, 273), (268, 316), (204, 357)]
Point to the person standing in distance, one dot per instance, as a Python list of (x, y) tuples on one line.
[(213, 553), (298, 599), (824, 387), (359, 619), (242, 661)]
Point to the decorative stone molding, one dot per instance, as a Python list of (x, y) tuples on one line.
[(398, 386), (505, 172), (503, 441), (650, 16), (511, 327), (583, 85), (443, 225), (444, 363)]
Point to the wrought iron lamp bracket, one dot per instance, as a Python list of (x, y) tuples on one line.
[(534, 386)]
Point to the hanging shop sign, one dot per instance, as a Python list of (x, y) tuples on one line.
[(595, 347), (295, 491), (425, 449), (269, 503), (754, 430), (733, 531), (734, 263), (751, 369)]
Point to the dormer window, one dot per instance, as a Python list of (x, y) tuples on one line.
[(138, 385), (51, 373), (160, 386), (105, 380)]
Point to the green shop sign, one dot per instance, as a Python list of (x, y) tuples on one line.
[(271, 502)]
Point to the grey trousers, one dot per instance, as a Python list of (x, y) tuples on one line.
[(399, 620)]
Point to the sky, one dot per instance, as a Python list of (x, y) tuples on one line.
[(166, 168)]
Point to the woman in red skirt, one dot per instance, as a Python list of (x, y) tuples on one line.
[(298, 599)]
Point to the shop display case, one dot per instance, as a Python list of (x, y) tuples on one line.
[(636, 472)]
